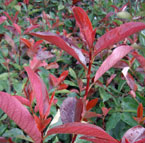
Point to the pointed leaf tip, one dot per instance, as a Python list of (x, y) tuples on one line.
[(84, 24)]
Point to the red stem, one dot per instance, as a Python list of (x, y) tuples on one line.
[(88, 74)]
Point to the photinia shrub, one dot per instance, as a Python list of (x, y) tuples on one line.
[(32, 112)]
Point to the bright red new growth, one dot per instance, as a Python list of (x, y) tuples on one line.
[(140, 111), (91, 104), (40, 91), (84, 24)]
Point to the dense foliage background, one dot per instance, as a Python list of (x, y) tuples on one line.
[(117, 105)]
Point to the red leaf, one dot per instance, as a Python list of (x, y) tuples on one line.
[(140, 59), (76, 1), (121, 64), (18, 28), (53, 65), (2, 19), (50, 103), (3, 140), (23, 100), (111, 60), (117, 34), (8, 16), (105, 110), (7, 2), (35, 64), (30, 28), (26, 1), (82, 128), (91, 104), (140, 111), (63, 76), (63, 44), (40, 91), (134, 134), (17, 112), (62, 86), (110, 79), (71, 110), (89, 114), (84, 24), (53, 80), (26, 42), (95, 140), (129, 79), (41, 124)]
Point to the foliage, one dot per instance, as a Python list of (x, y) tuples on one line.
[(72, 78)]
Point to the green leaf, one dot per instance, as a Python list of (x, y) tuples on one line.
[(104, 95), (68, 82), (13, 133), (128, 119), (62, 91), (72, 73), (112, 121), (129, 103)]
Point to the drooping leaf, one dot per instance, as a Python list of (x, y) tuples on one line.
[(63, 44), (40, 91), (117, 34), (17, 112), (71, 110), (111, 60), (84, 24), (134, 134), (84, 129), (129, 79)]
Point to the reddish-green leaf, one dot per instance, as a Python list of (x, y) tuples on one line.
[(111, 60), (39, 89), (117, 34), (17, 112), (63, 44), (134, 134), (84, 24), (84, 129)]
